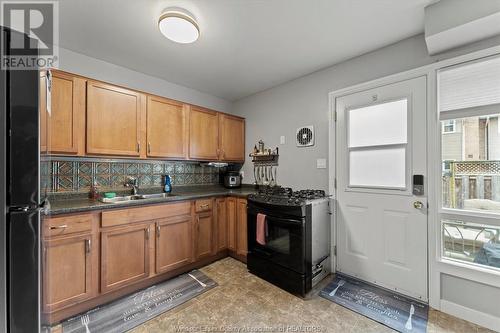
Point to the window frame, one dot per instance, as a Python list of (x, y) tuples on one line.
[(453, 214)]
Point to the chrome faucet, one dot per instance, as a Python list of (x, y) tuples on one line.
[(132, 182)]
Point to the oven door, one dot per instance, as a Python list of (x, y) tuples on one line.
[(284, 244)]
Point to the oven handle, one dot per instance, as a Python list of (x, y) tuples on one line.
[(282, 220)]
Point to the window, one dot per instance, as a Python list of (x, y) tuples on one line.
[(469, 97), (449, 126), (378, 139), (472, 243)]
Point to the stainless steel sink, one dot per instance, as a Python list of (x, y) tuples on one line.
[(128, 198), (156, 195)]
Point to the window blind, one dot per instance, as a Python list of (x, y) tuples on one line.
[(470, 85)]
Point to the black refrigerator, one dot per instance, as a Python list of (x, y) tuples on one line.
[(19, 197)]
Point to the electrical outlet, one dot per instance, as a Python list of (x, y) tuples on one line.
[(321, 163), (282, 140)]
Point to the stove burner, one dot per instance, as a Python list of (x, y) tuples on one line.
[(286, 196)]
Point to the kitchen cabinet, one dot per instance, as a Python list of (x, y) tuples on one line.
[(67, 271), (203, 134), (221, 218), (114, 120), (62, 123), (204, 241), (42, 108), (231, 217), (174, 243), (125, 255), (167, 128), (241, 238), (232, 138)]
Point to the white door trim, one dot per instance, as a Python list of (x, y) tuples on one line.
[(436, 266)]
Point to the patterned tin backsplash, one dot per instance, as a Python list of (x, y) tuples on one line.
[(62, 174)]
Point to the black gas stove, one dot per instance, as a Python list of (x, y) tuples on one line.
[(285, 196), (289, 237)]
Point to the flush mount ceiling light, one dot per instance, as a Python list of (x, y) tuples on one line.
[(178, 26)]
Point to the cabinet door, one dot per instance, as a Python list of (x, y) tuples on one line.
[(232, 138), (222, 231), (113, 120), (67, 271), (231, 217), (241, 229), (203, 134), (67, 112), (167, 128), (174, 243), (204, 234), (42, 107), (124, 256)]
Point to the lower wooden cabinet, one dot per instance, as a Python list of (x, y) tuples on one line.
[(124, 256), (241, 230), (231, 217), (89, 256), (204, 243), (67, 271), (236, 216), (174, 243), (221, 218)]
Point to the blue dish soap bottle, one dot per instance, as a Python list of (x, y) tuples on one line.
[(167, 185)]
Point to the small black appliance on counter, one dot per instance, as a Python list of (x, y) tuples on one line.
[(232, 179)]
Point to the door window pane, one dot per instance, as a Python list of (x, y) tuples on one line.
[(471, 243), (385, 167), (380, 124), (471, 164)]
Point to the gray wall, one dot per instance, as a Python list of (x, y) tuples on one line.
[(304, 101), (101, 70)]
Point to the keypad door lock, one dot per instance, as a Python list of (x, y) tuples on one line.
[(418, 185)]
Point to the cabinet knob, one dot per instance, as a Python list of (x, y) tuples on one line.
[(149, 147), (138, 147)]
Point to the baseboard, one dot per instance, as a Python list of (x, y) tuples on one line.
[(477, 317)]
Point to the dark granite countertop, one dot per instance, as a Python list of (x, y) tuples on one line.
[(72, 203)]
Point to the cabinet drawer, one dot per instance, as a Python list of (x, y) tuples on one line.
[(203, 205), (148, 213), (64, 225)]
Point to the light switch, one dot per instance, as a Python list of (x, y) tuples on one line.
[(282, 139), (321, 163)]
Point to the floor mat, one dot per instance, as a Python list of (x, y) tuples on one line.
[(400, 313), (128, 312)]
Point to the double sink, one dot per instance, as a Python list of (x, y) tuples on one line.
[(135, 197)]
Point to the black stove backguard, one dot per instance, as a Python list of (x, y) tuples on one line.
[(285, 259)]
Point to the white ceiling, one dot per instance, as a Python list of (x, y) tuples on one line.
[(245, 46)]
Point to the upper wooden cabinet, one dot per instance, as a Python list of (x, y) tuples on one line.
[(203, 134), (87, 117), (63, 121), (232, 138), (113, 120), (167, 128)]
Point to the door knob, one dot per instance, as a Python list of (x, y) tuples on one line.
[(418, 204)]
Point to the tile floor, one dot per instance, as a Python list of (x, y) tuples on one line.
[(242, 300)]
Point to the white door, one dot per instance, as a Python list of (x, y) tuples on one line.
[(382, 224)]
